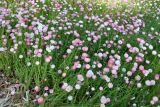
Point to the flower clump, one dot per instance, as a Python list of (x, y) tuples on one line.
[(83, 53)]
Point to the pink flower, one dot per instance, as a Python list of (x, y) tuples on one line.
[(134, 69), (155, 99), (77, 42), (80, 77), (106, 23), (40, 100), (141, 68), (87, 59), (139, 59), (64, 86), (84, 55), (82, 9), (64, 56), (87, 66), (157, 77), (38, 52), (121, 28), (45, 94), (46, 88), (106, 70), (85, 48), (89, 74), (110, 63), (48, 59), (126, 55), (104, 100), (120, 42), (74, 67)]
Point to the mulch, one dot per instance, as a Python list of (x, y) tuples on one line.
[(9, 97)]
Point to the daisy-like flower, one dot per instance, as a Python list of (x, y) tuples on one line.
[(138, 78), (45, 94), (155, 99), (20, 56), (154, 53), (40, 100), (89, 74), (139, 85), (28, 63), (69, 88), (87, 66), (85, 48), (53, 66), (77, 86), (37, 62), (77, 42), (48, 59), (110, 85), (69, 51), (104, 100), (157, 77), (80, 77), (70, 98)]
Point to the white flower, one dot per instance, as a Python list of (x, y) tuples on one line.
[(124, 69), (51, 91), (52, 66), (108, 28), (52, 47), (77, 86), (110, 85), (70, 98), (79, 66), (89, 39), (69, 51), (107, 79), (93, 89), (152, 102), (148, 83), (150, 47), (28, 64), (12, 49), (155, 98), (60, 28), (69, 88), (154, 53), (100, 54), (48, 49), (59, 71), (20, 56), (139, 85), (104, 100), (71, 47), (102, 105), (37, 62), (40, 26), (117, 62), (152, 82), (101, 88), (147, 61), (152, 28)]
